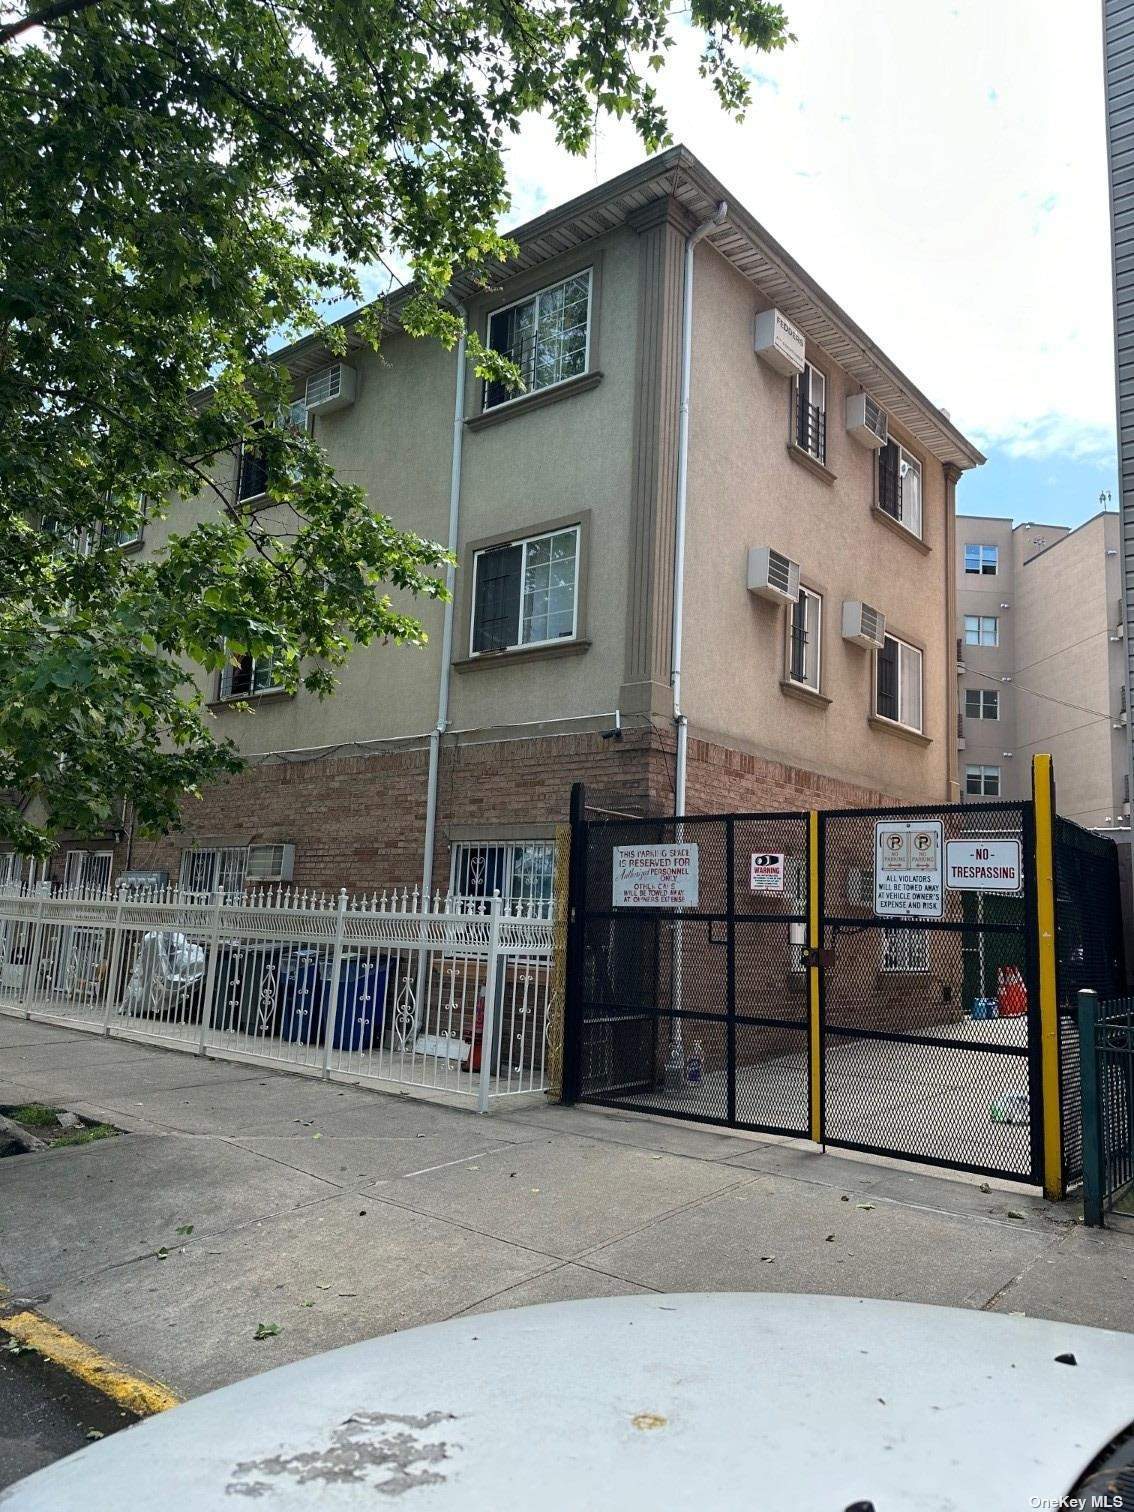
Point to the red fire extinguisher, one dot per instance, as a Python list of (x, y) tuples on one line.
[(1011, 992)]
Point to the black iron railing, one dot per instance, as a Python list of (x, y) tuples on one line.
[(1106, 1066)]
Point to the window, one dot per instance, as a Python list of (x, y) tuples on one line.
[(899, 486), (897, 683), (547, 336), (521, 871), (804, 639), (982, 703), (525, 593), (297, 414), (982, 561), (88, 869), (811, 412), (203, 871), (248, 676), (252, 480), (982, 630), (983, 781), (905, 949), (76, 538)]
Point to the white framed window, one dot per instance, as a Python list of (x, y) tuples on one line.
[(811, 412), (982, 630), (526, 592), (897, 683), (296, 416), (805, 639), (203, 871), (248, 677), (982, 703), (89, 869), (982, 781), (980, 560), (521, 871), (905, 949), (75, 538), (11, 869), (899, 486), (547, 335)]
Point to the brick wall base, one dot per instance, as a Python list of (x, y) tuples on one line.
[(359, 822)]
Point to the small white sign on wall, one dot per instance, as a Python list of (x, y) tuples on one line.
[(983, 865), (655, 876), (767, 872), (908, 869)]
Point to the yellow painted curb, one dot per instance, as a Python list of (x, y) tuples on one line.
[(131, 1391)]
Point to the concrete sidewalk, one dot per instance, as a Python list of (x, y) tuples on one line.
[(337, 1214)]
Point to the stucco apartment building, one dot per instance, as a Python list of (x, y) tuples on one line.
[(1042, 662), (567, 505)]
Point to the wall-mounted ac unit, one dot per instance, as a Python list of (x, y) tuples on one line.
[(778, 343), (867, 421), (270, 863), (331, 388), (863, 625), (773, 575)]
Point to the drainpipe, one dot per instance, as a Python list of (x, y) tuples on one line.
[(675, 1065), (679, 718), (447, 632)]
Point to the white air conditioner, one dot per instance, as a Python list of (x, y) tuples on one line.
[(773, 575), (867, 421), (270, 863), (778, 343), (863, 625), (331, 388)]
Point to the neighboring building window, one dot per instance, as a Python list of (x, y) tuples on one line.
[(805, 625), (521, 871), (252, 482), (130, 535), (899, 486), (526, 592), (11, 868), (897, 683), (811, 412), (203, 871), (982, 561), (982, 630), (982, 703), (905, 949), (983, 781), (248, 676), (89, 869), (297, 414), (74, 538), (547, 336)]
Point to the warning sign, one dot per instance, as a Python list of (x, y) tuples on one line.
[(907, 868), (983, 865), (655, 876), (767, 873)]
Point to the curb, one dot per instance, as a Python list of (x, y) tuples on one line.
[(138, 1394)]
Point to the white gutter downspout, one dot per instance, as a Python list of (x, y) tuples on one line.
[(682, 491), (675, 1065), (447, 632)]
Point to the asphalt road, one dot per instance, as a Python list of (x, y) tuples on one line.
[(45, 1413)]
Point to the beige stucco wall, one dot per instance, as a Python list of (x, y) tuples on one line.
[(745, 490), (1068, 675)]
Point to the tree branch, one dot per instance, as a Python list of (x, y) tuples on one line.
[(57, 11)]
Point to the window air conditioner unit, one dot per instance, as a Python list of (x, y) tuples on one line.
[(331, 388), (867, 421), (773, 575), (270, 863), (863, 625), (778, 343)]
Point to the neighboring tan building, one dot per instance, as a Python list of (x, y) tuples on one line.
[(801, 534), (1041, 662)]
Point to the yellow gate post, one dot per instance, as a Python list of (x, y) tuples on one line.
[(814, 945), (1043, 799)]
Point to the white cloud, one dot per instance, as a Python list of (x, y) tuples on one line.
[(942, 173)]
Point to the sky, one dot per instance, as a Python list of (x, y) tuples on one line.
[(940, 169)]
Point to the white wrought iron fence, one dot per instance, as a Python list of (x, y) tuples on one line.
[(452, 997)]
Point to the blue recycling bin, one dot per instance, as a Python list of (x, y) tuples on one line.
[(359, 1010), (301, 992)]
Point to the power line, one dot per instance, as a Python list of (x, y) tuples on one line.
[(1040, 660), (1023, 688)]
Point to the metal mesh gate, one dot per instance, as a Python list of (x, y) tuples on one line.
[(701, 1011), (931, 1024)]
